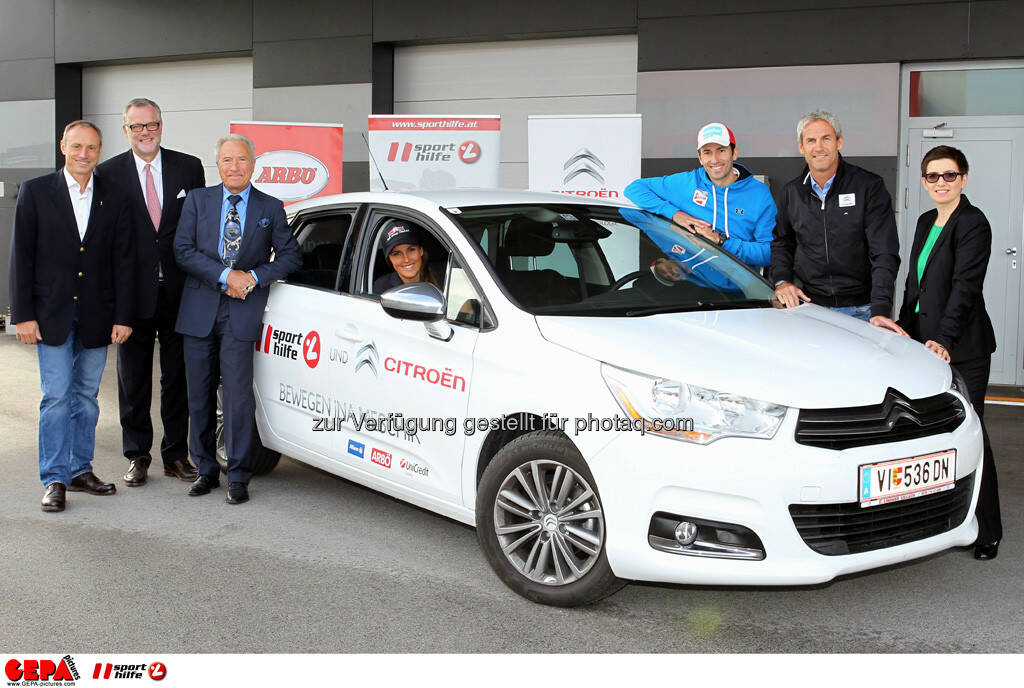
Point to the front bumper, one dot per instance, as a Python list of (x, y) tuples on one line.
[(752, 483)]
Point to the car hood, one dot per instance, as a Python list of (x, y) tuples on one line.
[(806, 357)]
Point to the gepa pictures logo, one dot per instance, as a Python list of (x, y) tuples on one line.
[(49, 670)]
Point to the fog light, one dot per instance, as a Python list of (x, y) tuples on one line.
[(686, 533), (691, 536)]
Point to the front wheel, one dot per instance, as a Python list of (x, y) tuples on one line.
[(540, 522), (261, 462)]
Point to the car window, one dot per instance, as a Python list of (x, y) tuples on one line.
[(567, 259), (322, 242), (463, 302), (381, 275)]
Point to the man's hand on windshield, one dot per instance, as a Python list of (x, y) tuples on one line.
[(691, 223)]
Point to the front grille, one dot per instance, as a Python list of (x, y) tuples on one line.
[(846, 528), (895, 419)]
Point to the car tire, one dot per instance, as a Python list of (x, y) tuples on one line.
[(263, 460), (544, 546)]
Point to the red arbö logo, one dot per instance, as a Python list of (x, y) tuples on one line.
[(469, 152), (290, 175)]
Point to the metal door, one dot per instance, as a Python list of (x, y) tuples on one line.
[(977, 107)]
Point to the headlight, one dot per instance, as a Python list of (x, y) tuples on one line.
[(957, 384), (665, 406)]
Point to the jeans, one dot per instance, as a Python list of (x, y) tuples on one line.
[(70, 377), (859, 312)]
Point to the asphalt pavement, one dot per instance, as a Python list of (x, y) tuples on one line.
[(318, 564)]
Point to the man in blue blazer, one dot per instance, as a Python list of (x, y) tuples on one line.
[(72, 279), (224, 243), (155, 181)]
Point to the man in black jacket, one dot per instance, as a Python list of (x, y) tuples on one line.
[(155, 180), (72, 277), (835, 233)]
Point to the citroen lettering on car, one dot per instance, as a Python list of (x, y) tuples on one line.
[(444, 378)]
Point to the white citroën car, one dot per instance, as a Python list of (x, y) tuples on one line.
[(608, 398)]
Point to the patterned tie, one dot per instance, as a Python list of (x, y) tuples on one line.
[(232, 233), (152, 199)]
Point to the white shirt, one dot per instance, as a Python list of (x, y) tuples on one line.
[(81, 201), (158, 179)]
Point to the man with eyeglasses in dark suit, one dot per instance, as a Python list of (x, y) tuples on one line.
[(156, 181)]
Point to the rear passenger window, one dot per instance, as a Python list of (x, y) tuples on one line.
[(322, 241)]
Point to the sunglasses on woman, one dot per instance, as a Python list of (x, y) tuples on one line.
[(933, 177)]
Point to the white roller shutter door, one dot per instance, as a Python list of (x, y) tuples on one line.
[(515, 79), (198, 99)]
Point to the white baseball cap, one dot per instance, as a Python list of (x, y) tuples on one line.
[(715, 132)]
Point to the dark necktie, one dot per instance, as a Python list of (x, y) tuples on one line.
[(232, 233)]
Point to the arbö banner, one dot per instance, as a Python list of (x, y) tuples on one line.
[(434, 151), (584, 155), (295, 161)]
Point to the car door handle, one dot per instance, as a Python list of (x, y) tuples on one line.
[(349, 332)]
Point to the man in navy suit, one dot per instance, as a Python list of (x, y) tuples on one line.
[(72, 276), (224, 243), (155, 180)]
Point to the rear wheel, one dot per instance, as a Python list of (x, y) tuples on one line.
[(262, 461), (540, 522)]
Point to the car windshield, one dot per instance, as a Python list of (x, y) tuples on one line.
[(595, 260)]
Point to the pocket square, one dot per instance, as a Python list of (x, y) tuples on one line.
[(181, 194), (263, 223)]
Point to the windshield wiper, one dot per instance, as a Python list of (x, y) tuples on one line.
[(701, 306)]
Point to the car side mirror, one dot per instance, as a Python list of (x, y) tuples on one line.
[(420, 301)]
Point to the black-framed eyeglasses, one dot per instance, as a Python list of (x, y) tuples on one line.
[(948, 177), (152, 126)]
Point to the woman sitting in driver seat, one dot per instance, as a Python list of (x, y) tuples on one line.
[(403, 247)]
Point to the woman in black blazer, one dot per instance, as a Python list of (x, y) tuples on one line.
[(943, 305)]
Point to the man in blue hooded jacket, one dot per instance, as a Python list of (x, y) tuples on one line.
[(719, 200)]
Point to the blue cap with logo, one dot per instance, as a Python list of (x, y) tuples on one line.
[(397, 232)]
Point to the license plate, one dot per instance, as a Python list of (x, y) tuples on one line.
[(916, 476)]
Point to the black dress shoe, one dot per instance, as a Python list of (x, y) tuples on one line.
[(137, 469), (54, 497), (88, 482), (237, 493), (988, 551), (203, 485), (181, 469)]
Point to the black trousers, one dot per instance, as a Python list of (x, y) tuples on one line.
[(990, 527), (135, 384), (220, 359)]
